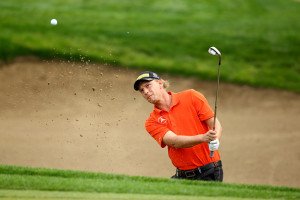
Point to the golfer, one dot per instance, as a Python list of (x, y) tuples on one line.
[(183, 122)]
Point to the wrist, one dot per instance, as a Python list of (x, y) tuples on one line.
[(200, 138)]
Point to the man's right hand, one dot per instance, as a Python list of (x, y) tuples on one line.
[(209, 136)]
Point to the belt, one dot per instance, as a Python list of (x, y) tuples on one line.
[(197, 171)]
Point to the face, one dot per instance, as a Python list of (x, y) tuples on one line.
[(151, 90)]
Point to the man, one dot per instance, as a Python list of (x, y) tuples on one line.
[(184, 122)]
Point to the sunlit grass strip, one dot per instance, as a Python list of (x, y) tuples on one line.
[(53, 195)]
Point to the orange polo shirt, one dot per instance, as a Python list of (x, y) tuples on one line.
[(188, 112)]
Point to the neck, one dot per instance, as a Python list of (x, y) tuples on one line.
[(165, 102)]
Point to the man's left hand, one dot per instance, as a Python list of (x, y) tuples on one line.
[(214, 145)]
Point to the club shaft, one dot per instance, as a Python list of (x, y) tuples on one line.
[(216, 98)]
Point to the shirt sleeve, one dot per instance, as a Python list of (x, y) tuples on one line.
[(201, 105), (156, 130)]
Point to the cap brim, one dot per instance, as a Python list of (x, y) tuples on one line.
[(138, 82)]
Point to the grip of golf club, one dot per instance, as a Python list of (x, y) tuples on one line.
[(211, 153)]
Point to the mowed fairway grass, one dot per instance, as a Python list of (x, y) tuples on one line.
[(259, 39), (33, 183)]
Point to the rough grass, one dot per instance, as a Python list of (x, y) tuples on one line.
[(259, 39)]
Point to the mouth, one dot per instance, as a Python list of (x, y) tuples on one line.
[(149, 97)]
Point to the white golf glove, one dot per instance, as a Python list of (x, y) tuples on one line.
[(214, 145)]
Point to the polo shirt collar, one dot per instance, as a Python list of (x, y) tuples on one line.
[(175, 101)]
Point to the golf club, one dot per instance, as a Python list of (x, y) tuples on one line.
[(214, 51)]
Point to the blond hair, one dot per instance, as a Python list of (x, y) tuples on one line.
[(166, 84)]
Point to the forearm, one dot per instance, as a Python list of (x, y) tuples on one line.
[(181, 141), (218, 127)]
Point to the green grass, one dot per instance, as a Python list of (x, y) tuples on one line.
[(34, 194), (259, 39), (29, 183)]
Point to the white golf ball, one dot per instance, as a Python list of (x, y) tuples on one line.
[(53, 21)]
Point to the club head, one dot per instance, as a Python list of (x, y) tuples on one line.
[(214, 51)]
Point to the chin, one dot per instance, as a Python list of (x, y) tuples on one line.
[(151, 101)]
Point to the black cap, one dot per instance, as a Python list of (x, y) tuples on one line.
[(145, 76)]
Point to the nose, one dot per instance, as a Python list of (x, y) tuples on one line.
[(145, 91)]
